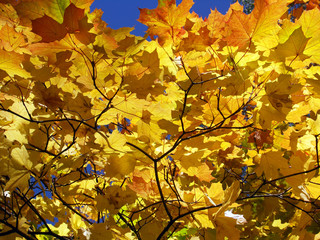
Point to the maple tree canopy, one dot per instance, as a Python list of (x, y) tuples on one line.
[(209, 130)]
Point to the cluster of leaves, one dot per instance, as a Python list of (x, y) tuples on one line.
[(210, 130)]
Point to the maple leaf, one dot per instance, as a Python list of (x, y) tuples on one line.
[(11, 40), (72, 17), (48, 29), (48, 97), (11, 63), (124, 165), (51, 30), (216, 22), (226, 228), (293, 47), (84, 4), (113, 198), (17, 168), (260, 24), (270, 164), (33, 9), (203, 173), (100, 231), (259, 138), (308, 22), (167, 20)]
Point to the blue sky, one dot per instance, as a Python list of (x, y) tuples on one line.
[(124, 13)]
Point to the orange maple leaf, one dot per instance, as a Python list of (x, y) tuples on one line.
[(167, 20), (260, 26)]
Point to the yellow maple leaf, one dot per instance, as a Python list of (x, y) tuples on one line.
[(313, 187), (309, 21), (122, 166), (11, 63), (20, 158), (314, 125), (76, 222), (270, 164)]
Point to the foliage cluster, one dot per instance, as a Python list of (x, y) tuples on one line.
[(210, 130)]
